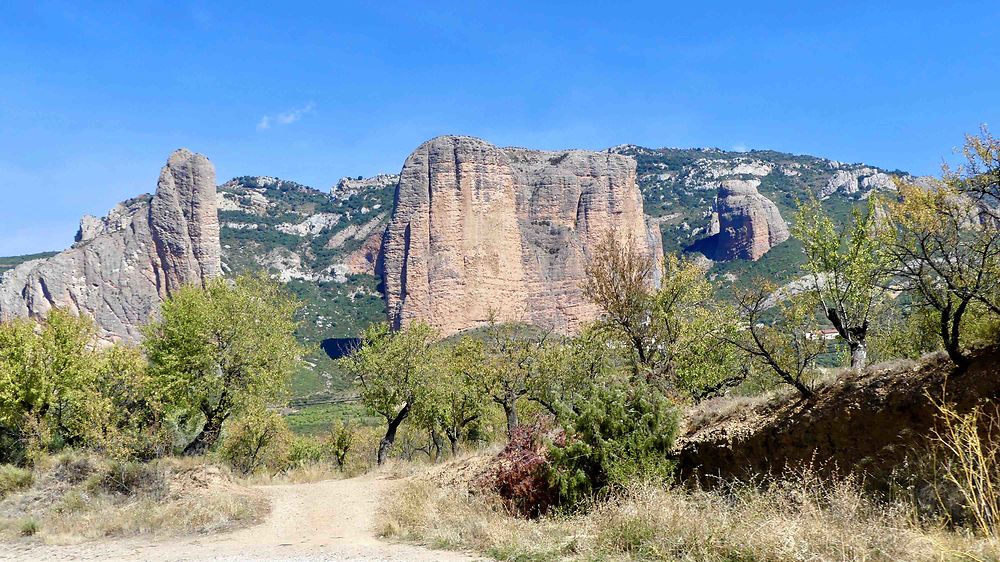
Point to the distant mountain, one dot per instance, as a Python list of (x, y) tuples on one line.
[(680, 186), (324, 244)]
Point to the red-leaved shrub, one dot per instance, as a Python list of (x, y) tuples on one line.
[(519, 473)]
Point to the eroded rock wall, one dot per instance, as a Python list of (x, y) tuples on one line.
[(480, 230), (123, 265)]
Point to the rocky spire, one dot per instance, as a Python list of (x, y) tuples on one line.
[(124, 264)]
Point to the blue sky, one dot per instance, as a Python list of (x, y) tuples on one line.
[(93, 96)]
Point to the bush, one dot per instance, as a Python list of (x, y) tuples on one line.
[(256, 441), (519, 473), (131, 478), (341, 441), (306, 450), (13, 479), (616, 435)]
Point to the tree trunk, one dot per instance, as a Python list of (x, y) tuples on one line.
[(510, 409), (859, 354), (209, 434), (951, 334), (390, 434), (438, 445), (453, 440)]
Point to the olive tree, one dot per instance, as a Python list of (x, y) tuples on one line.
[(223, 349)]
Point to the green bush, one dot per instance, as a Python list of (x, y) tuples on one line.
[(13, 479), (307, 450), (615, 435), (256, 441)]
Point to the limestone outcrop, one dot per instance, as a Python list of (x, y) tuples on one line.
[(479, 230), (123, 265), (744, 224)]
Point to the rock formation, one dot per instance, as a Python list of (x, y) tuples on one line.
[(480, 230), (123, 265), (855, 180), (744, 224)]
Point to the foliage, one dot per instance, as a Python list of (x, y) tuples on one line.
[(666, 330), (14, 479), (46, 381), (779, 336), (391, 369), (616, 435), (258, 440), (519, 474), (849, 268), (514, 360), (341, 442), (947, 245), (453, 400), (222, 350)]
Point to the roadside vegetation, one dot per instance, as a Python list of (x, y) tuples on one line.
[(559, 447)]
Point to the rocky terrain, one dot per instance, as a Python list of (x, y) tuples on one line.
[(873, 420), (479, 230), (324, 244), (124, 264), (744, 225)]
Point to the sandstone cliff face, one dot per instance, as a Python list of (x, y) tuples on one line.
[(744, 224), (479, 229), (123, 265)]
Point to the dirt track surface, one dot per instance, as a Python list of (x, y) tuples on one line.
[(325, 521)]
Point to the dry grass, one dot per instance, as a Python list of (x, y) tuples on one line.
[(79, 497), (794, 519)]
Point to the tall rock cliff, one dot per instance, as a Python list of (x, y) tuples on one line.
[(744, 224), (123, 265), (480, 230)]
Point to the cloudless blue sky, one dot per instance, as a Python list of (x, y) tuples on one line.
[(94, 96)]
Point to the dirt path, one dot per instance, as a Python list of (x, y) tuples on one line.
[(325, 521)]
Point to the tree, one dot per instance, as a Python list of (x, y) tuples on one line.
[(46, 378), (454, 398), (786, 344), (571, 368), (223, 349), (947, 244), (513, 364), (392, 369), (849, 269), (620, 282), (666, 330), (126, 414)]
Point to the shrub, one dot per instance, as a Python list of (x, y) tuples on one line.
[(131, 478), (519, 473), (306, 450), (341, 441), (13, 479), (255, 441), (616, 435), (27, 527)]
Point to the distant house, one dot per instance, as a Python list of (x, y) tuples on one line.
[(825, 334)]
